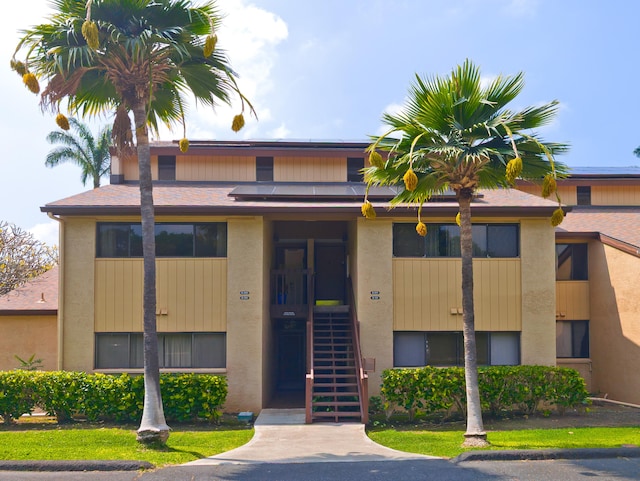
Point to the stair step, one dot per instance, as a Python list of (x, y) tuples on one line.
[(336, 403), (335, 384), (337, 414), (334, 394)]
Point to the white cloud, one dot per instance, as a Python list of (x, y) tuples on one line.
[(46, 232), (249, 35), (281, 132), (522, 8)]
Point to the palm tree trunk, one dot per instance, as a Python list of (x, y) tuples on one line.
[(475, 434), (153, 427)]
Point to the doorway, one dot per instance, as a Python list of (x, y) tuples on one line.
[(291, 362), (331, 272)]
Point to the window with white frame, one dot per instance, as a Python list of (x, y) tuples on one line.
[(124, 350), (422, 348)]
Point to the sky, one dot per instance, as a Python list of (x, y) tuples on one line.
[(327, 70)]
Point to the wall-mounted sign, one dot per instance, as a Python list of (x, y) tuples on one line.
[(375, 298), (289, 313), (244, 293), (373, 293), (244, 298)]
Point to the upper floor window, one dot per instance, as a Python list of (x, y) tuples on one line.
[(166, 167), (172, 240), (571, 262), (264, 169), (584, 194), (443, 240), (354, 166)]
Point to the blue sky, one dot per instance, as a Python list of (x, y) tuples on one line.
[(328, 69)]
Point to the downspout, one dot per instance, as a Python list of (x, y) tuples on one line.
[(59, 363)]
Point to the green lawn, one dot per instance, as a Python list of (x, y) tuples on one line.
[(116, 443), (447, 443)]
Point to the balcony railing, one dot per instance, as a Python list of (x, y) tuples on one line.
[(290, 292)]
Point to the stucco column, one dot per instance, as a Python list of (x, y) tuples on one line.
[(538, 340), (245, 314), (374, 280), (78, 294)]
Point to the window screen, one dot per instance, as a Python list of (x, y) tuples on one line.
[(166, 167)]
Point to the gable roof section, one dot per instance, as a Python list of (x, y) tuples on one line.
[(615, 226), (190, 198), (39, 296)]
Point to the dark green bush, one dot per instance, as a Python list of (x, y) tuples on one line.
[(16, 394), (67, 394), (502, 388)]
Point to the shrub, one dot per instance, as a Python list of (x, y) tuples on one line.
[(502, 388), (16, 394), (68, 394)]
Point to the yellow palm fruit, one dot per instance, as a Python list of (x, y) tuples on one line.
[(375, 159), (184, 145), (410, 180), (514, 169), (421, 229), (90, 34), (367, 210), (548, 185), (557, 217), (62, 121), (19, 67), (238, 123), (31, 82), (209, 45), (458, 218)]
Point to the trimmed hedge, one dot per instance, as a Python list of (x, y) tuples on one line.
[(502, 388), (68, 394)]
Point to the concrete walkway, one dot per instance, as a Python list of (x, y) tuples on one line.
[(281, 436)]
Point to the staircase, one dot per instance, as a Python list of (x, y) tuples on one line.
[(335, 392)]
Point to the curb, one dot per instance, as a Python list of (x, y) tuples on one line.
[(543, 454), (51, 465)]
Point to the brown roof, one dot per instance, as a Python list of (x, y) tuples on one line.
[(613, 225), (38, 296), (213, 198)]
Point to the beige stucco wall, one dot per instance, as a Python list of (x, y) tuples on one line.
[(537, 254), (374, 267), (615, 322), (24, 336), (78, 294), (245, 324)]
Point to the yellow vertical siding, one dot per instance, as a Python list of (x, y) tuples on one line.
[(572, 300), (191, 295), (615, 195), (224, 168), (568, 193), (426, 290), (309, 169)]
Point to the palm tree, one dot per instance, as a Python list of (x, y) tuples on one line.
[(455, 134), (135, 57), (92, 156)]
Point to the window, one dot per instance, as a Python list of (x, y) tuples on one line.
[(414, 349), (172, 240), (175, 350), (166, 167), (443, 240), (354, 166), (264, 169), (571, 262), (584, 194), (572, 339)]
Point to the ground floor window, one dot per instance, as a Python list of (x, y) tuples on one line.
[(572, 339), (123, 350), (422, 348)]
